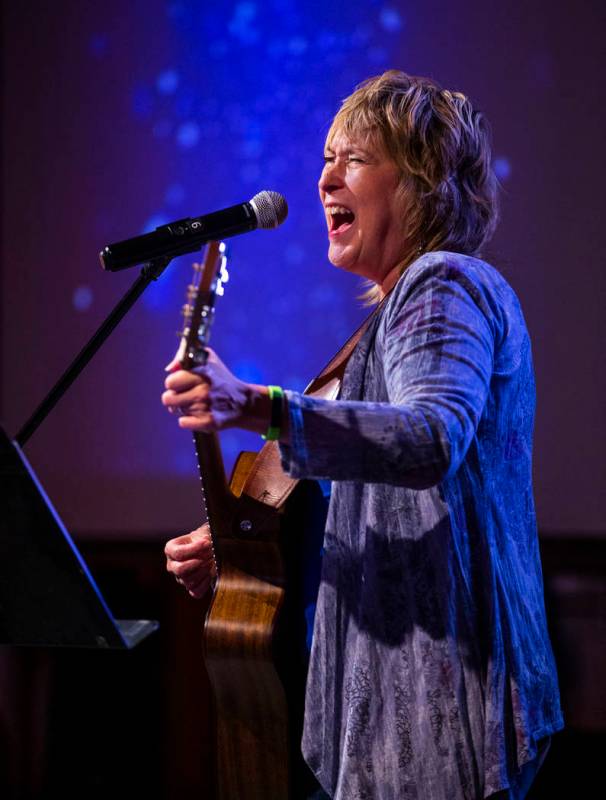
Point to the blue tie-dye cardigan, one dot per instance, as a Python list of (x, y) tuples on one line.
[(431, 673)]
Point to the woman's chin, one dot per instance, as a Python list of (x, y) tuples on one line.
[(340, 257)]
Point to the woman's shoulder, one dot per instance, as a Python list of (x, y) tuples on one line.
[(463, 289), (456, 267), (443, 270)]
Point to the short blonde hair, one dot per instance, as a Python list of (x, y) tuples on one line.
[(442, 146)]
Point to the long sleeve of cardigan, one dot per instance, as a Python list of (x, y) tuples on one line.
[(436, 342)]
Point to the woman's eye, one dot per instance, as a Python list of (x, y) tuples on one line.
[(349, 159)]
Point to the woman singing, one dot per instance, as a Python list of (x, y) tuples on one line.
[(431, 674)]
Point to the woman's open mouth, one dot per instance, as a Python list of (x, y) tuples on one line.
[(339, 219)]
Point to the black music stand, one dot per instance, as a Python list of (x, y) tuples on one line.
[(47, 594)]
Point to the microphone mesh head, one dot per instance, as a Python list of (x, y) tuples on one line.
[(270, 208)]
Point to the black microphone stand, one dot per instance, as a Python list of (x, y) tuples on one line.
[(150, 272)]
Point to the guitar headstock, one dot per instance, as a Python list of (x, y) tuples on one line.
[(198, 312)]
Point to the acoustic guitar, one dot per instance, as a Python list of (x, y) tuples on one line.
[(255, 630)]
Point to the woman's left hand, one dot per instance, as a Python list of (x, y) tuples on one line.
[(210, 398)]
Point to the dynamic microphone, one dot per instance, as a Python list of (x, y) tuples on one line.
[(265, 210)]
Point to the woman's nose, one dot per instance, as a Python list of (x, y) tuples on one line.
[(331, 177)]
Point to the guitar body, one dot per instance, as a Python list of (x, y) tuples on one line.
[(254, 643)]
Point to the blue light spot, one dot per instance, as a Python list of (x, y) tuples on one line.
[(297, 45), (240, 25), (251, 148), (188, 135), (82, 298), (390, 19), (244, 12), (175, 194), (167, 81), (98, 44), (502, 168)]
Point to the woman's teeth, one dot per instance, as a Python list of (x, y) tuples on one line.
[(339, 216)]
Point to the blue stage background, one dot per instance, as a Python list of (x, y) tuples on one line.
[(122, 116)]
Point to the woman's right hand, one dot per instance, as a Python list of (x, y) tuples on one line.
[(190, 559)]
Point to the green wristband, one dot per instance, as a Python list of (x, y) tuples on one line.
[(276, 395)]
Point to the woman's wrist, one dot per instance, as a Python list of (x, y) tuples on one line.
[(259, 416), (257, 411)]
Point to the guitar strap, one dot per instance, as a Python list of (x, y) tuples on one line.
[(267, 482)]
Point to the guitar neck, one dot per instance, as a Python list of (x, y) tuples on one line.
[(219, 500)]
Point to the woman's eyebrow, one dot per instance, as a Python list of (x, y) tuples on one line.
[(349, 150)]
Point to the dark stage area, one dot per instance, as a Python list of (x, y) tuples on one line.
[(89, 724)]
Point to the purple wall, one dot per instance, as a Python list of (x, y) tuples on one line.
[(120, 116)]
